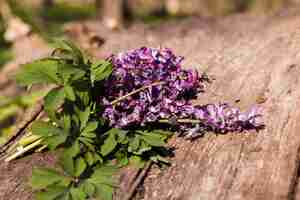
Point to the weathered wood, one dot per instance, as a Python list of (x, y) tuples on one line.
[(255, 62), (260, 61)]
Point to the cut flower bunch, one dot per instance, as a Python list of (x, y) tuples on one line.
[(109, 113), (166, 96)]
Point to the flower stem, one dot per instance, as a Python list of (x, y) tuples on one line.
[(184, 121), (23, 150), (41, 148), (28, 140), (134, 92)]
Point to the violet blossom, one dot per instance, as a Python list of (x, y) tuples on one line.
[(170, 99)]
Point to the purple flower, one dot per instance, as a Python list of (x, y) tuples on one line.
[(143, 67)]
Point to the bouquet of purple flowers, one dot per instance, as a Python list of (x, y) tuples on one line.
[(149, 85)]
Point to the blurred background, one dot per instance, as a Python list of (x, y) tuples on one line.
[(27, 27)]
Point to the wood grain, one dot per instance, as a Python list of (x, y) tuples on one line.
[(249, 63), (255, 62)]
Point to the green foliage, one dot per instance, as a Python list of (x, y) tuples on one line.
[(44, 177), (89, 144), (52, 184), (40, 71), (100, 70), (53, 136)]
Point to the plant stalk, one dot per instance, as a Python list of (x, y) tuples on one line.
[(23, 150), (41, 148), (28, 140), (135, 91), (184, 121)]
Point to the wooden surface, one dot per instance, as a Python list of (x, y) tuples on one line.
[(254, 64), (254, 60)]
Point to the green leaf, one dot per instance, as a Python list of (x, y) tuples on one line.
[(102, 179), (97, 157), (104, 192), (88, 188), (84, 96), (109, 144), (122, 137), (88, 142), (134, 144), (89, 135), (51, 193), (84, 117), (52, 136), (77, 194), (62, 54), (91, 126), (78, 56), (67, 50), (45, 129), (80, 166), (122, 159), (65, 196), (105, 170), (153, 139), (40, 71), (104, 176), (144, 147), (89, 158), (54, 141), (53, 100), (66, 123), (74, 150), (69, 93), (43, 177), (67, 164), (69, 72), (67, 161), (100, 70)]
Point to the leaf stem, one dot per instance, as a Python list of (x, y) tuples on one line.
[(135, 91)]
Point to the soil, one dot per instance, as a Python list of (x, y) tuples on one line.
[(254, 60)]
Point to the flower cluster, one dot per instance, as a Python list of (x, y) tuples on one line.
[(149, 85), (222, 118)]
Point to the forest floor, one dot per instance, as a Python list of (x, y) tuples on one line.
[(253, 60)]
